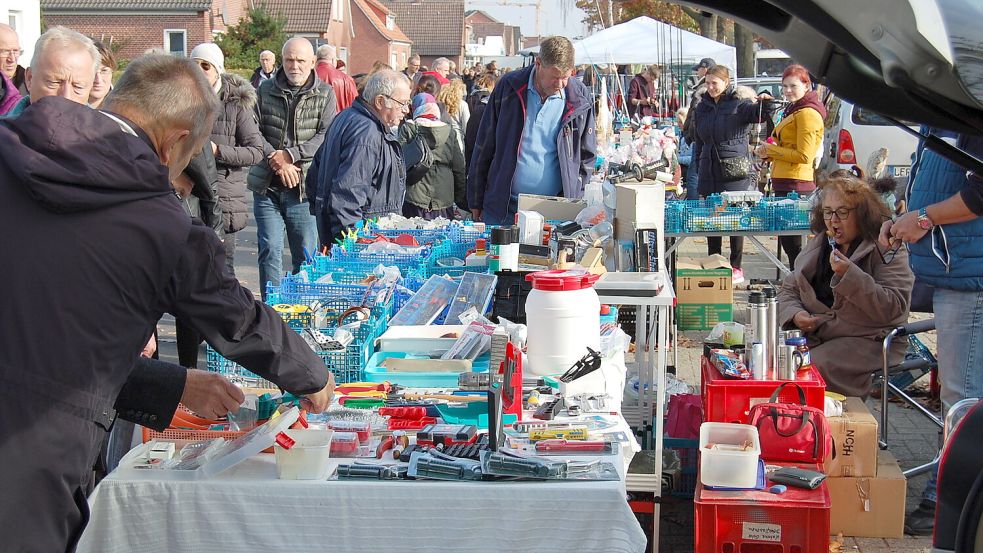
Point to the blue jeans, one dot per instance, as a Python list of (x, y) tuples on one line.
[(959, 330), (692, 171), (277, 212)]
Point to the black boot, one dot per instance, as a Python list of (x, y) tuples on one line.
[(921, 521)]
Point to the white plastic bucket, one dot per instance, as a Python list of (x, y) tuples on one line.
[(563, 319), (307, 458)]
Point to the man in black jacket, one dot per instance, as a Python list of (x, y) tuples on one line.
[(98, 248)]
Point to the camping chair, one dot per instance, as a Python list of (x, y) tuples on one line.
[(918, 361)]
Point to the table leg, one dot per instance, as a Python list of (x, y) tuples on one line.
[(770, 256)]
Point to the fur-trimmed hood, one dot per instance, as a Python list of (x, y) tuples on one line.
[(237, 89)]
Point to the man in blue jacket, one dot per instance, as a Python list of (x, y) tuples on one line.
[(536, 137), (944, 228), (358, 172)]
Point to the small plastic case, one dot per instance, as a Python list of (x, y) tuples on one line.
[(560, 446), (344, 444), (362, 428), (447, 434)]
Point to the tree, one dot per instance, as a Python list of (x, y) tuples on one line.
[(255, 32), (744, 44)]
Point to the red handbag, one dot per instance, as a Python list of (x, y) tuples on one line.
[(789, 432)]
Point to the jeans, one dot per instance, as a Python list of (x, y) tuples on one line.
[(692, 173), (959, 331), (277, 212)]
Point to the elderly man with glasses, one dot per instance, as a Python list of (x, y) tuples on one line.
[(359, 172), (13, 72)]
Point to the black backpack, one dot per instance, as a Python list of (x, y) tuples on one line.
[(417, 156)]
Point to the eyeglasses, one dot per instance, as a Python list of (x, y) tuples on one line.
[(404, 105), (205, 65), (16, 53), (842, 213), (891, 253)]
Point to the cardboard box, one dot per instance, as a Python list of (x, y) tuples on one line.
[(704, 292), (869, 507), (551, 207), (854, 441)]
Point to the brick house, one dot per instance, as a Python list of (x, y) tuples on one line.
[(436, 27), (378, 38), (136, 26), (480, 26), (320, 21)]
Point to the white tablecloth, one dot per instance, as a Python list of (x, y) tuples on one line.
[(247, 509)]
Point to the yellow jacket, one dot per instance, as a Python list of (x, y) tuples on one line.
[(797, 139)]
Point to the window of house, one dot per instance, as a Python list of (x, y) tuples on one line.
[(14, 18), (390, 22), (338, 10), (175, 42), (343, 54), (393, 60)]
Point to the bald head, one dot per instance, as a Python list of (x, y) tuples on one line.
[(10, 50), (298, 60)]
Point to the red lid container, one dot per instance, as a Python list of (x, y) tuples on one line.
[(561, 281)]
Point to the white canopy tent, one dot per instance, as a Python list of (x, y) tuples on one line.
[(643, 40)]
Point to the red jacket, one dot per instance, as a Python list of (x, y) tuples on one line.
[(343, 85)]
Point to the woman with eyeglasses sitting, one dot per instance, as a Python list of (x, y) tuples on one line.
[(846, 293)]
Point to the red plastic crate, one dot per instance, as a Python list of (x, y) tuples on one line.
[(729, 400), (757, 521)]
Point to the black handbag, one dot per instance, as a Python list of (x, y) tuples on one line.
[(735, 168), (418, 158)]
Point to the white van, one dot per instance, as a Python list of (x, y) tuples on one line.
[(854, 133)]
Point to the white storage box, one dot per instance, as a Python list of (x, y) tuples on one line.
[(420, 339), (308, 458), (731, 461)]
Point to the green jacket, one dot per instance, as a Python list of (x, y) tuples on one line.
[(444, 185), (296, 123)]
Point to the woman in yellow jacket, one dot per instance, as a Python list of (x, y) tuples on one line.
[(795, 144)]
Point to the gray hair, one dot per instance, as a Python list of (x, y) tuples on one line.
[(264, 52), (415, 57), (441, 61), (169, 91), (68, 40), (327, 52), (383, 83)]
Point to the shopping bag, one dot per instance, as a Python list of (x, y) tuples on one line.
[(792, 432)]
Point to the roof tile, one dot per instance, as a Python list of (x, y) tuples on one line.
[(435, 26), (303, 16), (126, 5)]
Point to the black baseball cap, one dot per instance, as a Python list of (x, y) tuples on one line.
[(705, 62)]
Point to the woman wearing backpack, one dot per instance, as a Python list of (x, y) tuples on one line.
[(443, 184), (794, 145)]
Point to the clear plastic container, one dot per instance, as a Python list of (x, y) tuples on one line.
[(362, 428), (307, 458), (729, 455), (344, 444)]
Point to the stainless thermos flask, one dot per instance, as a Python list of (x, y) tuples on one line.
[(771, 334)]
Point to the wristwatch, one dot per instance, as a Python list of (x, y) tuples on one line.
[(924, 222)]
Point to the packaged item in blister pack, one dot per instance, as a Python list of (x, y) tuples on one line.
[(371, 471), (505, 463), (437, 466), (474, 341)]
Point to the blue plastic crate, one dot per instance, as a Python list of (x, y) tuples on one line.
[(405, 262), (295, 291), (688, 451), (720, 219), (347, 365), (789, 217), (467, 233)]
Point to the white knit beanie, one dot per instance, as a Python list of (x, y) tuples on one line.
[(210, 52)]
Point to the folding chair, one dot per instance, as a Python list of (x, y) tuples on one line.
[(918, 359)]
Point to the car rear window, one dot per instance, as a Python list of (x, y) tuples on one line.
[(863, 116)]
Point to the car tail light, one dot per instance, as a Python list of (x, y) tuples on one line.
[(844, 148)]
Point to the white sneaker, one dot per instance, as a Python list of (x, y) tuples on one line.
[(738, 277)]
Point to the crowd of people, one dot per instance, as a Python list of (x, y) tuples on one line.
[(138, 189)]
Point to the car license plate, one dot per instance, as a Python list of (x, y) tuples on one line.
[(899, 171)]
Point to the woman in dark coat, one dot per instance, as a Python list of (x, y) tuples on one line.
[(643, 92), (443, 185), (722, 122), (237, 143), (477, 101)]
